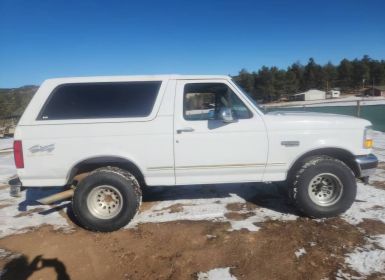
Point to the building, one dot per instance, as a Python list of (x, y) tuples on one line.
[(312, 94), (375, 91), (334, 93)]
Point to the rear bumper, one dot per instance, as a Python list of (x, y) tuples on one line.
[(367, 165)]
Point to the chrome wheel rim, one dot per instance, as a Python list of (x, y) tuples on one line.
[(105, 202), (325, 189)]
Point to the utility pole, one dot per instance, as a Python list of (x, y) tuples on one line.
[(373, 87)]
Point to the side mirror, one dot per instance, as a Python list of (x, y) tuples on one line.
[(226, 115)]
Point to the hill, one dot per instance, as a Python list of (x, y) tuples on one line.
[(13, 101)]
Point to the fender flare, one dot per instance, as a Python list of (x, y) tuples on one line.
[(341, 154), (92, 163)]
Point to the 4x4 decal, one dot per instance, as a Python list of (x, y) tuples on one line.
[(38, 148)]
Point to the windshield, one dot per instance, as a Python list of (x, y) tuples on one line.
[(248, 96)]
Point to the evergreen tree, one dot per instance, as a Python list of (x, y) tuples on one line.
[(271, 83)]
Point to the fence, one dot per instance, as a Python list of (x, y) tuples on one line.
[(372, 110)]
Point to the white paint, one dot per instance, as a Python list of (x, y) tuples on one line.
[(243, 151), (216, 274), (232, 152), (313, 131)]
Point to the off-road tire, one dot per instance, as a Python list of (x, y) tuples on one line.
[(121, 180), (299, 186)]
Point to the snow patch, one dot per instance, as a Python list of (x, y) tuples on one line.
[(7, 167), (366, 262), (216, 274), (300, 252), (365, 206), (379, 240), (4, 254), (369, 258), (209, 202), (18, 215)]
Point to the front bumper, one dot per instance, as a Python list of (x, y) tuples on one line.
[(367, 165)]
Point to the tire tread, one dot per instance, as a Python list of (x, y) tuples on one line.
[(131, 182), (294, 185)]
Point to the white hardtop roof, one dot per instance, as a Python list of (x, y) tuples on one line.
[(134, 78)]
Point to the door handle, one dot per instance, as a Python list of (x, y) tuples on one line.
[(185, 129)]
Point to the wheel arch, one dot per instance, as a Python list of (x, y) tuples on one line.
[(92, 163), (338, 153)]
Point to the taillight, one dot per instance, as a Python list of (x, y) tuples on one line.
[(18, 154)]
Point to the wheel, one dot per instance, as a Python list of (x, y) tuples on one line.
[(323, 187), (107, 199)]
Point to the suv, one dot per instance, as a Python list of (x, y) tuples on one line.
[(108, 137)]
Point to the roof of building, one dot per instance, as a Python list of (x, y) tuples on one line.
[(310, 91), (381, 88), (378, 88)]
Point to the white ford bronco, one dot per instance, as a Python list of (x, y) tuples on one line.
[(104, 138)]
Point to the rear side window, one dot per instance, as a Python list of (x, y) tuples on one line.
[(101, 100)]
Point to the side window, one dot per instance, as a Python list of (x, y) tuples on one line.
[(203, 101), (101, 100)]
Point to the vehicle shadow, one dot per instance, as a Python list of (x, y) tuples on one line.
[(33, 194), (20, 268), (273, 196)]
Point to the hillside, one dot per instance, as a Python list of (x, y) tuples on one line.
[(13, 101)]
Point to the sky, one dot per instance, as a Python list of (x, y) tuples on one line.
[(41, 39)]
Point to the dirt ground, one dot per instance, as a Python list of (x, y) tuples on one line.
[(182, 249), (179, 250)]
